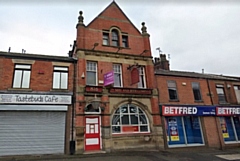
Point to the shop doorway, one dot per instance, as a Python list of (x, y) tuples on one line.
[(92, 133)]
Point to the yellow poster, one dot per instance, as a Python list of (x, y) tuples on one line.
[(172, 124), (224, 127)]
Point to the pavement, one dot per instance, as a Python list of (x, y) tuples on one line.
[(147, 155)]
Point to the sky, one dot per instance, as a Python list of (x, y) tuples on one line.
[(195, 35)]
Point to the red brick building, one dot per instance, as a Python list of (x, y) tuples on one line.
[(122, 99), (35, 103), (198, 109), (127, 113)]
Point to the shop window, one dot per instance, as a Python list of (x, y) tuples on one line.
[(230, 128), (184, 131), (129, 118), (91, 73), (196, 91), (105, 38), (172, 90), (124, 41), (115, 38), (117, 68), (237, 92), (21, 76), (221, 94), (60, 77), (142, 81)]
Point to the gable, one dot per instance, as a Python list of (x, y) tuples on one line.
[(113, 16)]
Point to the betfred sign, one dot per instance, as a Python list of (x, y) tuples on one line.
[(174, 111), (188, 110), (227, 111)]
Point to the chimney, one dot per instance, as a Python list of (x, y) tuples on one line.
[(163, 63)]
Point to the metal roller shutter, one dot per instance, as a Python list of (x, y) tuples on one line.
[(23, 133)]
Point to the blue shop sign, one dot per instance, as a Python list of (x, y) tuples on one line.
[(188, 110)]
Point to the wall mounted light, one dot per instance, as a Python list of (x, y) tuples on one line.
[(95, 45), (95, 105)]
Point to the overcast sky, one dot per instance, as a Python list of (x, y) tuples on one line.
[(197, 34)]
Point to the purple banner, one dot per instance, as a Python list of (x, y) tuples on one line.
[(108, 78)]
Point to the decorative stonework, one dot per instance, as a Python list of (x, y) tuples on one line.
[(22, 61)]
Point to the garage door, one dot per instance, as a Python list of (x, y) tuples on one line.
[(23, 133)]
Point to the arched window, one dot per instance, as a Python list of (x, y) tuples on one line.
[(129, 118), (115, 38)]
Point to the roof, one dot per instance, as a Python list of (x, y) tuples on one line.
[(35, 56), (195, 75)]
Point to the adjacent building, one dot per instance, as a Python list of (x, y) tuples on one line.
[(197, 109), (35, 103)]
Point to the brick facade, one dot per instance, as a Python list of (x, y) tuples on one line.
[(211, 127), (41, 83), (89, 47)]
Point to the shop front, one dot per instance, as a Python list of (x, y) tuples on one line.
[(229, 118), (34, 124), (183, 124)]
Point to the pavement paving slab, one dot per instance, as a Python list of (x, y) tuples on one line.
[(165, 155)]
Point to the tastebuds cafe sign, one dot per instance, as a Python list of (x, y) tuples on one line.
[(34, 99)]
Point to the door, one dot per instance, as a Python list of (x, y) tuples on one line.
[(92, 133)]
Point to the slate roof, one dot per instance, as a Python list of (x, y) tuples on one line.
[(195, 75), (36, 56)]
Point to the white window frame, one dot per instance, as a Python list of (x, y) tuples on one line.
[(58, 81), (21, 71), (105, 38), (196, 88), (125, 41), (117, 68), (142, 78), (91, 67), (115, 38), (221, 94), (117, 117), (172, 85), (237, 92)]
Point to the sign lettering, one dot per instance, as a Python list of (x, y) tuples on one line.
[(34, 99), (188, 110), (227, 111)]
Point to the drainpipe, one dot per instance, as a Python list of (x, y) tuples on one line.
[(217, 121), (73, 142)]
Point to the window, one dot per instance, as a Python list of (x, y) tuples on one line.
[(60, 78), (184, 131), (230, 127), (129, 118), (91, 73), (141, 83), (21, 76), (124, 41), (196, 91), (115, 38), (221, 94), (172, 90), (117, 75), (237, 92), (105, 39)]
